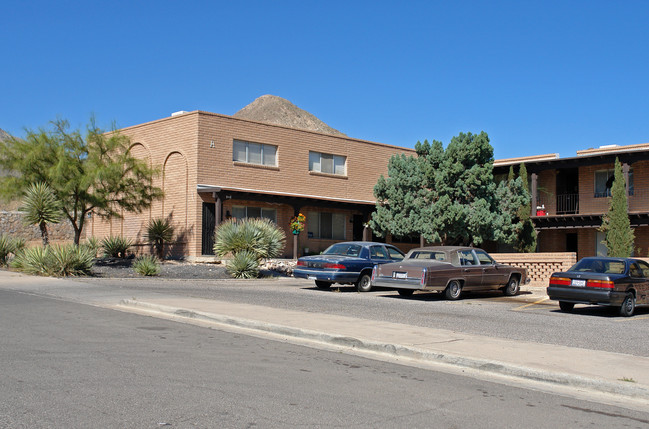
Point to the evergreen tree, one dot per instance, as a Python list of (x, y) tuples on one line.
[(615, 223), (514, 225), (91, 173)]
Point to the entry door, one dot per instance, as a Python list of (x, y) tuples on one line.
[(357, 228), (209, 223)]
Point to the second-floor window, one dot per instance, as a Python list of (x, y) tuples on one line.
[(254, 153), (604, 182), (327, 163)]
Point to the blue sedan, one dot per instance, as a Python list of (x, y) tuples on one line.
[(349, 262)]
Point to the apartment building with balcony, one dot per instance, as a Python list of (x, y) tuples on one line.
[(216, 167), (570, 196)]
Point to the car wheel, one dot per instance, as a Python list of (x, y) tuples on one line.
[(320, 284), (628, 306), (566, 306), (406, 292), (512, 287), (364, 283), (453, 290)]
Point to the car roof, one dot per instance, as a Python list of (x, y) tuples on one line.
[(446, 248), (364, 243)]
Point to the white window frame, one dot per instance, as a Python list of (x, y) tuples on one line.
[(339, 163), (263, 148)]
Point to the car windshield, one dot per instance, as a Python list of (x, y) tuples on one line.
[(343, 249), (427, 254), (602, 266)]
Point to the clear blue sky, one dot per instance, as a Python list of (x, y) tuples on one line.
[(538, 76)]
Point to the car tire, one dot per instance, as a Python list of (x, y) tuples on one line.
[(628, 306), (512, 287), (321, 284), (453, 290), (364, 283), (566, 306), (406, 292)]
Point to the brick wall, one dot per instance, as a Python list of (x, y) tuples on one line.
[(539, 266)]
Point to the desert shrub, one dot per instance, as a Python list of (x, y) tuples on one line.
[(147, 265), (243, 265), (58, 260), (9, 247), (92, 244), (249, 241), (116, 247), (158, 232)]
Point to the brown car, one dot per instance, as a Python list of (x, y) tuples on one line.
[(448, 269)]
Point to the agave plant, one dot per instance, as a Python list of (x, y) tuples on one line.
[(69, 260), (244, 265), (116, 247), (9, 246), (41, 207), (260, 236), (159, 232), (32, 260), (147, 265)]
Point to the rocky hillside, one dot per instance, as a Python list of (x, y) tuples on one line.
[(279, 111), (3, 134)]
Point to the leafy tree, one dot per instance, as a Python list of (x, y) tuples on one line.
[(41, 207), (615, 223), (461, 208), (94, 172), (400, 197)]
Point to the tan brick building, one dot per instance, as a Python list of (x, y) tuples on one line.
[(214, 167), (573, 193)]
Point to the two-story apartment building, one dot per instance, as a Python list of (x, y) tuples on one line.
[(570, 196), (215, 167)]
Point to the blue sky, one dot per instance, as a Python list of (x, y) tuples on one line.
[(538, 76)]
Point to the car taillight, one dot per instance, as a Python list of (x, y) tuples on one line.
[(374, 272), (423, 277), (606, 284), (301, 263), (560, 281), (334, 266)]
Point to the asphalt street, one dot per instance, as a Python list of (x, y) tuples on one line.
[(67, 364)]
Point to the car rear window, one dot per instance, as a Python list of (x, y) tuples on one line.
[(425, 254), (343, 249), (599, 266)]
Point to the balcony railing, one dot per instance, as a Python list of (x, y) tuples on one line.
[(588, 203)]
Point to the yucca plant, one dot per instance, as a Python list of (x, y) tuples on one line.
[(147, 265), (116, 247), (32, 260), (9, 246), (248, 241), (69, 260), (159, 232), (41, 207), (243, 265)]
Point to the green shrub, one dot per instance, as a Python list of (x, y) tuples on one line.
[(158, 232), (244, 265), (59, 260), (259, 236), (9, 246), (93, 244), (147, 265), (116, 247)]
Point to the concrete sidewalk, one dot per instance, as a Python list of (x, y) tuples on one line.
[(596, 371)]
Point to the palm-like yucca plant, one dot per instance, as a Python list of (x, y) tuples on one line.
[(159, 232), (116, 247), (258, 238), (41, 207), (244, 265)]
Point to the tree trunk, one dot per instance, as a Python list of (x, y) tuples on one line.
[(44, 234)]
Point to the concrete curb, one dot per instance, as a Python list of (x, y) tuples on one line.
[(396, 350)]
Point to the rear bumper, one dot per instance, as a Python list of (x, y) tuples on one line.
[(327, 276), (398, 283), (586, 295)]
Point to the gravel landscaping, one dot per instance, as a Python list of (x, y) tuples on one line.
[(121, 268)]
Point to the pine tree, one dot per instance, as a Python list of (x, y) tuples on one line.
[(615, 223)]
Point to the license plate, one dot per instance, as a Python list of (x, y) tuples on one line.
[(398, 275), (311, 278), (579, 283)]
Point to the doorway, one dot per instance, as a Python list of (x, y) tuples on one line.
[(209, 225)]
